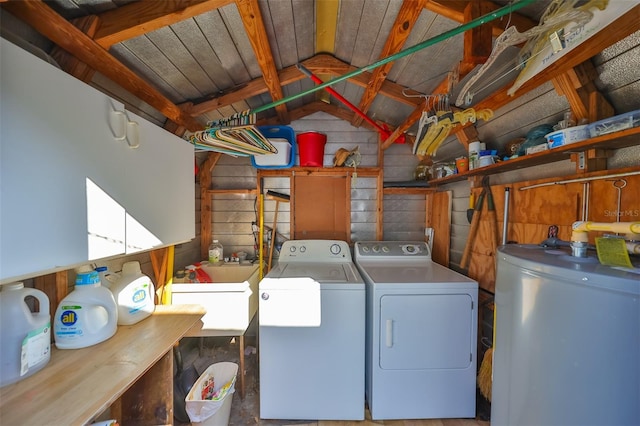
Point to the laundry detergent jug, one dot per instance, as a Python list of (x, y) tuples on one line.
[(86, 316), (134, 294), (25, 336)]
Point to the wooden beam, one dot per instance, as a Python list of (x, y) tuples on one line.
[(406, 19), (206, 203), (622, 27), (138, 18), (254, 26), (415, 115), (69, 63), (466, 135), (313, 107), (455, 10), (585, 100), (318, 64), (326, 22), (478, 42), (55, 286), (47, 22)]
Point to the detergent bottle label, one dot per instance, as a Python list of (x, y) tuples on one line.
[(36, 348), (68, 322), (139, 298)]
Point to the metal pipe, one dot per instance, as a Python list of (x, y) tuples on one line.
[(441, 37), (618, 227), (383, 132), (261, 237), (587, 179), (505, 219)]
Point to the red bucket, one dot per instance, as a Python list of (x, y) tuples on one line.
[(311, 148)]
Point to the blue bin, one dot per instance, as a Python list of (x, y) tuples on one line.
[(283, 138)]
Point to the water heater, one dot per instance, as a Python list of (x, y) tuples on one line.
[(567, 347)]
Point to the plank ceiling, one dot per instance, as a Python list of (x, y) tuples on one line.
[(185, 63)]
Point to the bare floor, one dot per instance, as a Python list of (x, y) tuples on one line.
[(202, 352)]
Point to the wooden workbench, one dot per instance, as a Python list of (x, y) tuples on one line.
[(132, 373)]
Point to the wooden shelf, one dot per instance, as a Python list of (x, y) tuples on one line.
[(362, 171), (238, 191), (397, 190), (79, 384), (615, 140)]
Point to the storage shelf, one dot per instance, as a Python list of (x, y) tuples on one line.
[(79, 384), (403, 190), (248, 191), (319, 171), (615, 140)]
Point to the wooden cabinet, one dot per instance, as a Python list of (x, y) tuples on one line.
[(73, 189)]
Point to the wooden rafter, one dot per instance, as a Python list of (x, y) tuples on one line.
[(414, 116), (455, 10), (406, 19), (63, 33), (254, 26), (319, 64), (138, 18), (622, 27), (478, 42)]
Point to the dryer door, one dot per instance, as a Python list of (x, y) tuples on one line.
[(425, 331)]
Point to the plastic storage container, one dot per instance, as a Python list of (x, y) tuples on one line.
[(216, 252), (283, 139), (311, 148), (566, 136), (615, 123), (218, 382), (25, 336), (134, 294), (86, 316)]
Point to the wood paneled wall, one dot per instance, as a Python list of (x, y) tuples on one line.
[(532, 211)]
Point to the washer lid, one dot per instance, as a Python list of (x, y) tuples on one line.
[(325, 273), (426, 273)]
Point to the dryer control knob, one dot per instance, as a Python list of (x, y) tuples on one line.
[(376, 249), (385, 249), (265, 296)]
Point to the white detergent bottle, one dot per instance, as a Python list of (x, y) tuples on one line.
[(134, 294), (86, 316), (25, 336)]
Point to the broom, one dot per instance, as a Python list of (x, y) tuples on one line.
[(484, 375)]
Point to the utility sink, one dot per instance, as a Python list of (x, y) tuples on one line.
[(231, 299)]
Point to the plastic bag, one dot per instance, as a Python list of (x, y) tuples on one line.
[(223, 376)]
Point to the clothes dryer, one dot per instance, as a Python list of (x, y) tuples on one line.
[(421, 331)]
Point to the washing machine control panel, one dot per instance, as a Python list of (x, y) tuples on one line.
[(370, 249), (315, 250)]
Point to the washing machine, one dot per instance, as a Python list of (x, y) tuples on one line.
[(421, 328), (312, 334)]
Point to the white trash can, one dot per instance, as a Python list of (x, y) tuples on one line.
[(209, 400)]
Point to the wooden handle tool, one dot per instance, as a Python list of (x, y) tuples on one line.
[(473, 230)]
